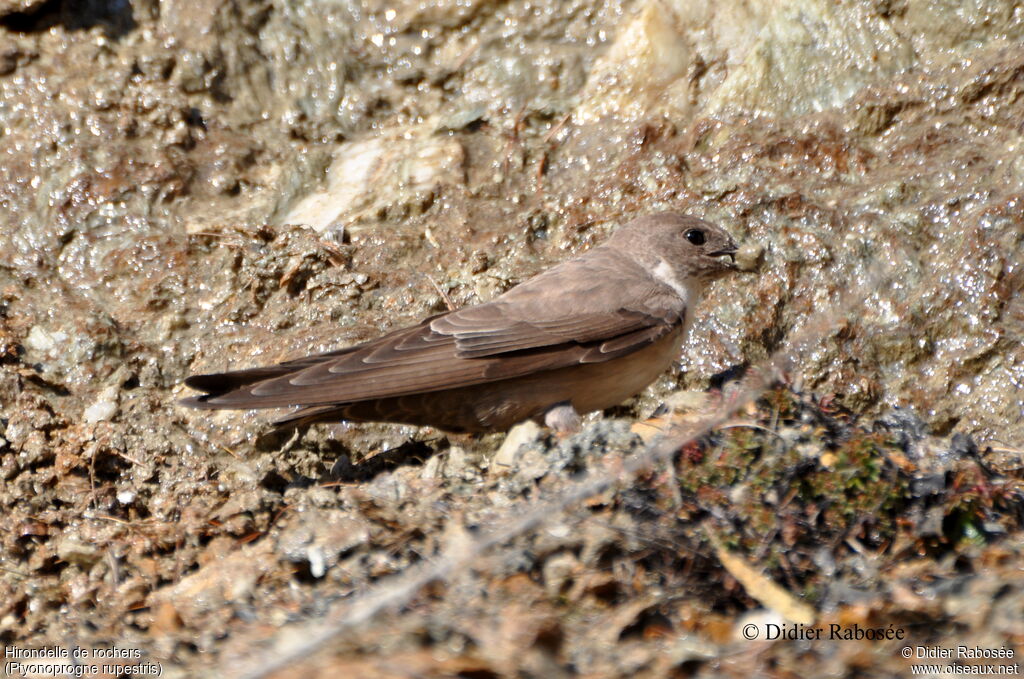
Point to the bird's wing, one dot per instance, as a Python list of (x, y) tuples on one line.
[(596, 297), (515, 335)]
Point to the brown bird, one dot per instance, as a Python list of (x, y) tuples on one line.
[(584, 335)]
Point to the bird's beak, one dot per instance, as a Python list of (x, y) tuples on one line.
[(729, 252)]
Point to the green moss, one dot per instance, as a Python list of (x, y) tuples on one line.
[(976, 499), (860, 485), (811, 479)]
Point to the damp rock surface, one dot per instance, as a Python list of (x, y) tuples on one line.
[(194, 186)]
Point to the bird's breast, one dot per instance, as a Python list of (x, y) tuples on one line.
[(589, 387), (603, 385)]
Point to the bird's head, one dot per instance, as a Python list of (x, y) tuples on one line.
[(689, 247)]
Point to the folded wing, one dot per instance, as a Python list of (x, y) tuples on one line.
[(527, 330)]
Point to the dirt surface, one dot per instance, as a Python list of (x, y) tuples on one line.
[(195, 186)]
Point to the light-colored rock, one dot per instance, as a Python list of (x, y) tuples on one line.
[(749, 256), (403, 167), (73, 550), (683, 59), (688, 401), (810, 56), (44, 341), (953, 27), (558, 571), (457, 464), (432, 467), (520, 436), (229, 578), (644, 64), (104, 407), (403, 16)]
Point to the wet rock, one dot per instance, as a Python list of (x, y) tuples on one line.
[(509, 453), (906, 426), (939, 29), (72, 550), (812, 55), (749, 256), (558, 572), (319, 537), (682, 60), (432, 13), (227, 578), (104, 407), (401, 170)]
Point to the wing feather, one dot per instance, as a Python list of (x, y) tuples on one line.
[(527, 330)]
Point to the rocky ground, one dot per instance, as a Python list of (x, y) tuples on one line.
[(195, 186)]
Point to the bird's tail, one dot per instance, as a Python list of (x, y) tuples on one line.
[(215, 385)]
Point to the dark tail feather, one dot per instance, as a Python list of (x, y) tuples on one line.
[(198, 402), (221, 384), (216, 384), (310, 415)]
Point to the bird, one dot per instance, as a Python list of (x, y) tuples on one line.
[(582, 336)]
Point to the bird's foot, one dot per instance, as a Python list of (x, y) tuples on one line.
[(563, 419)]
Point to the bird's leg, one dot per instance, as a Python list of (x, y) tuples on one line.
[(563, 419)]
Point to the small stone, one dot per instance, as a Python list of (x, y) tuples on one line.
[(72, 550), (687, 401), (317, 563), (42, 340), (432, 468), (455, 462), (533, 464), (557, 572), (103, 408), (748, 257), (521, 435)]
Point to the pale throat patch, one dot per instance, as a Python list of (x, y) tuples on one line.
[(688, 290)]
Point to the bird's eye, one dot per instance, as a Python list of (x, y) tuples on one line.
[(695, 236)]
